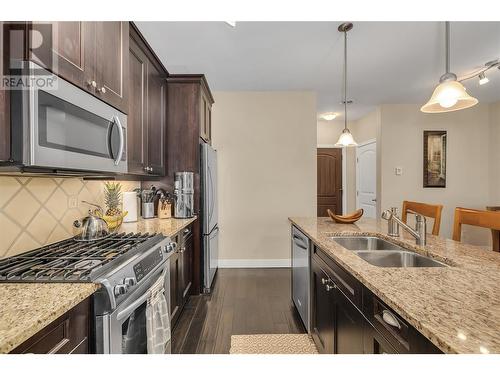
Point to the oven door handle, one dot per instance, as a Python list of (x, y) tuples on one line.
[(117, 122), (125, 313)]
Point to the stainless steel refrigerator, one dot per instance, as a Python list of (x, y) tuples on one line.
[(210, 223)]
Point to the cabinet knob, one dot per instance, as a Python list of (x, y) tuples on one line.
[(92, 84), (330, 287), (102, 90), (323, 281)]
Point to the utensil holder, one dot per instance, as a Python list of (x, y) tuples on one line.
[(148, 210)]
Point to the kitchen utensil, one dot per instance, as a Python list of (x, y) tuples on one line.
[(148, 210), (91, 227), (164, 206)]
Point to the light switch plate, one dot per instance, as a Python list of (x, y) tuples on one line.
[(73, 201), (398, 171)]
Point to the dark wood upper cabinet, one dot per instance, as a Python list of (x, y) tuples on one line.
[(137, 117), (190, 104), (91, 55), (146, 126), (112, 39), (157, 102)]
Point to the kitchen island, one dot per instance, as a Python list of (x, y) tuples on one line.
[(457, 308)]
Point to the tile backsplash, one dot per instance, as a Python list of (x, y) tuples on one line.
[(35, 211)]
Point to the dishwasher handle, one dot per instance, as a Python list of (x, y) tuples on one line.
[(299, 241)]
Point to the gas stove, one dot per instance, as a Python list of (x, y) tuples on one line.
[(74, 261)]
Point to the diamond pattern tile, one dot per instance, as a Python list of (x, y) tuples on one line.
[(72, 186), (22, 207), (34, 211), (23, 243), (8, 187), (69, 217), (57, 203), (41, 188), (42, 225), (10, 231), (58, 234)]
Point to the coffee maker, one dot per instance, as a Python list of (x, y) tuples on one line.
[(184, 195)]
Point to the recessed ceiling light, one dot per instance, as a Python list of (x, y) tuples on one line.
[(329, 116), (231, 23)]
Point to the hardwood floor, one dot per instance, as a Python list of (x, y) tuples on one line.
[(244, 301)]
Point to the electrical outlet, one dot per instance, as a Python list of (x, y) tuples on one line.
[(73, 201), (398, 171)]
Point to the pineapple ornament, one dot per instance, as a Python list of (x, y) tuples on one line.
[(112, 198)]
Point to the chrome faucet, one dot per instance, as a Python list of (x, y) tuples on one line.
[(420, 231)]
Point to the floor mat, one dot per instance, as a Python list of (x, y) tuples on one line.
[(272, 344)]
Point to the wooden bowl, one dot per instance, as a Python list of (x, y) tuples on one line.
[(346, 219)]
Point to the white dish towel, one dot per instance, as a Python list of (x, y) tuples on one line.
[(157, 319)]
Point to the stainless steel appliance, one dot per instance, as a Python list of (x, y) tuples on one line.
[(62, 127), (184, 194), (210, 223), (126, 265), (301, 263)]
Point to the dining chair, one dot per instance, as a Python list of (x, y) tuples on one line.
[(478, 218), (425, 209)]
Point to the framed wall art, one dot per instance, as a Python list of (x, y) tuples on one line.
[(435, 143)]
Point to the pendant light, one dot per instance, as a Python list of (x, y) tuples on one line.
[(345, 139), (450, 95)]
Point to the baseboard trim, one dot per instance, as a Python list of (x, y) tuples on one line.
[(254, 263)]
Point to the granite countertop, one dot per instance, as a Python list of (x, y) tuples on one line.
[(26, 308), (456, 307), (168, 227)]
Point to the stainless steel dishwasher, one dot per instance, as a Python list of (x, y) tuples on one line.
[(301, 263)]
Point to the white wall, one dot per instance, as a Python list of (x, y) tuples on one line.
[(468, 165), (266, 143)]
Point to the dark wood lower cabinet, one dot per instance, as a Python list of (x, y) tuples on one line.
[(323, 311), (349, 326), (343, 323), (68, 334), (181, 272)]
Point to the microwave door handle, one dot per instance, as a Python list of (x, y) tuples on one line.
[(116, 121)]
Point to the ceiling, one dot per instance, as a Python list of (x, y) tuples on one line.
[(389, 62)]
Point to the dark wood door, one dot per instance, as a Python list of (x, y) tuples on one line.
[(157, 87), (348, 326), (374, 342), (67, 49), (137, 113), (112, 44), (175, 274), (329, 163), (186, 266), (323, 311)]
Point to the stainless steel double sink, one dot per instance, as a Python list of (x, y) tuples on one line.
[(382, 253)]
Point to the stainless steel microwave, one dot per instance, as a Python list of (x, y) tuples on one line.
[(59, 126)]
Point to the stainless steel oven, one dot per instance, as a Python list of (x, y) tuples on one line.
[(61, 126), (124, 330)]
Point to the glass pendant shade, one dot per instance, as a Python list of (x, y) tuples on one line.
[(449, 96), (346, 139)]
